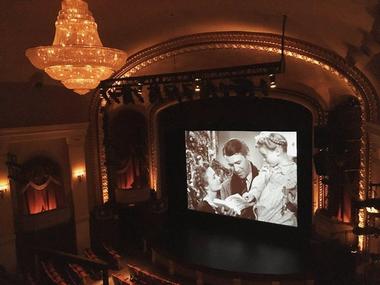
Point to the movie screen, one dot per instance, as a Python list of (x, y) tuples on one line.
[(244, 174)]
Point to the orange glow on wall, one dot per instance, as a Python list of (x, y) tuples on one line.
[(79, 173), (41, 201), (4, 188)]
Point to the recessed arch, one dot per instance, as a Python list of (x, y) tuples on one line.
[(270, 43)]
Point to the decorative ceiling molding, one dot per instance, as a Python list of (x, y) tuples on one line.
[(325, 59), (37, 133)]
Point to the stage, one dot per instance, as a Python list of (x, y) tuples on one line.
[(233, 254), (223, 250)]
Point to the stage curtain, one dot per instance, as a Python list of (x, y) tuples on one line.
[(131, 175), (345, 209), (45, 197)]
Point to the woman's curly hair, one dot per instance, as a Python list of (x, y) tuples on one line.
[(199, 179)]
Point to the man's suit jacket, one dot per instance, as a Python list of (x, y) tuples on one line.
[(235, 185)]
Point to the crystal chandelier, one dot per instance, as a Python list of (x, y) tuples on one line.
[(77, 57)]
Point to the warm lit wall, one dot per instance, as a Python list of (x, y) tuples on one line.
[(63, 144), (26, 105), (75, 144), (7, 232)]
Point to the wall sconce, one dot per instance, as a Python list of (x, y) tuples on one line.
[(3, 190), (197, 87), (80, 174), (272, 81)]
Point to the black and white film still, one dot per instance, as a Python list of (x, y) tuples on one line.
[(245, 174)]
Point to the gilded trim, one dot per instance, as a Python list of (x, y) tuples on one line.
[(271, 43)]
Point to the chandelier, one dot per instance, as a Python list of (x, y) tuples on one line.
[(77, 57)]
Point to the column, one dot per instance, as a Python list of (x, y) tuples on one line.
[(79, 190), (374, 142), (7, 231)]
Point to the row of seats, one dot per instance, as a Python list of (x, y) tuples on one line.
[(51, 274), (57, 272), (104, 253), (139, 276)]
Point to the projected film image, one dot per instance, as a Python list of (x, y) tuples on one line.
[(244, 174)]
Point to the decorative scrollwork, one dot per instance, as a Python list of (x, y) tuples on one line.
[(269, 43)]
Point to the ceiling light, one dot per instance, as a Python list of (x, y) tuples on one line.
[(77, 57)]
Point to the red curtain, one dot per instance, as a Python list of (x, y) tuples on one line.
[(41, 198), (130, 176)]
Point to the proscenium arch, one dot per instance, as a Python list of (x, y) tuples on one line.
[(271, 43), (315, 106), (265, 42)]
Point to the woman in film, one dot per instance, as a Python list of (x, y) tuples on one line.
[(206, 184)]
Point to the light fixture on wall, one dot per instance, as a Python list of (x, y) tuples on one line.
[(3, 189), (272, 81), (77, 57), (79, 174)]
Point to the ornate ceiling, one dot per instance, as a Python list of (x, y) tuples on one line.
[(349, 28)]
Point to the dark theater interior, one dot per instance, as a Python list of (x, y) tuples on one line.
[(171, 142)]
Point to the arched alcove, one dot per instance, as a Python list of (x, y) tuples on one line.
[(42, 188), (128, 153)]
